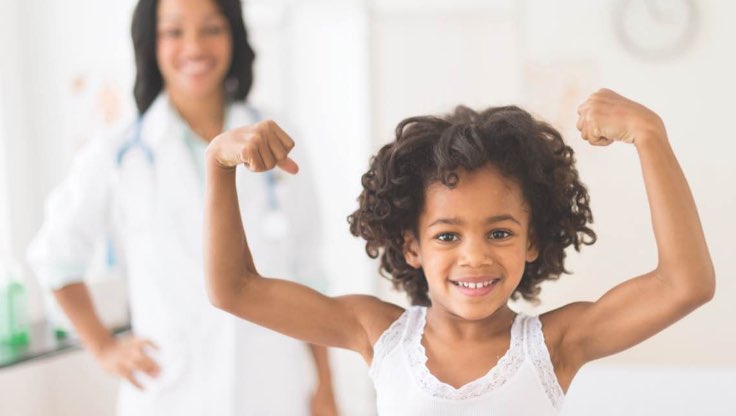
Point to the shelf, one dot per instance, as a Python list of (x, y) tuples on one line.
[(43, 343)]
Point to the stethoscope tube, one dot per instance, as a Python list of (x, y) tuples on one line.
[(135, 142)]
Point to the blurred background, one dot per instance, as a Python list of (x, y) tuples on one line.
[(344, 73)]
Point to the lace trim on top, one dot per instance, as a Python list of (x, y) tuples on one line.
[(494, 379), (537, 350), (387, 342)]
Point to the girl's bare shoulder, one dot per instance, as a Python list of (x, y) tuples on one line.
[(557, 322), (557, 325), (374, 314)]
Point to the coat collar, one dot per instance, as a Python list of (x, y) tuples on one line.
[(157, 122), (161, 119)]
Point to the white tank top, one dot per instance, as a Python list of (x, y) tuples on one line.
[(522, 383)]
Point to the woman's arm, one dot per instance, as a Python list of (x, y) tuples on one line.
[(76, 217), (684, 277), (233, 282), (119, 356), (323, 398)]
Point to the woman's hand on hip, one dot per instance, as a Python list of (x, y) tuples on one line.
[(126, 356), (260, 147)]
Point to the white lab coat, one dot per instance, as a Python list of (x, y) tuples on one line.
[(212, 363)]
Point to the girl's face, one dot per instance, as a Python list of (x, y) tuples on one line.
[(193, 47), (473, 243)]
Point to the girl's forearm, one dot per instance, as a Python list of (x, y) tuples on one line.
[(228, 261), (683, 254)]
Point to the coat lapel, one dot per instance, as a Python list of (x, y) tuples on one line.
[(179, 196)]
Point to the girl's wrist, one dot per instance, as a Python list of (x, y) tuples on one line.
[(212, 157), (651, 138), (652, 130)]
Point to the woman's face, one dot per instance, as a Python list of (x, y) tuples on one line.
[(473, 243), (194, 47)]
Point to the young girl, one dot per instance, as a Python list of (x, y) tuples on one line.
[(467, 211)]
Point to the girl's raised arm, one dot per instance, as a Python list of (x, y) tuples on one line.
[(684, 277), (234, 284)]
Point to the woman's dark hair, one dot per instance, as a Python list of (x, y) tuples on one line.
[(430, 149), (148, 80)]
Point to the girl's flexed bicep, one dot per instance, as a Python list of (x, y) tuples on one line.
[(234, 284), (684, 277), (352, 322)]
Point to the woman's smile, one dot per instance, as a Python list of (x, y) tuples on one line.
[(196, 67)]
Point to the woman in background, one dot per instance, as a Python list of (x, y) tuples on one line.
[(142, 187)]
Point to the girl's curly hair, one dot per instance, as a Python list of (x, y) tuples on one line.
[(429, 149)]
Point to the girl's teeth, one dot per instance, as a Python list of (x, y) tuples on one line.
[(472, 285)]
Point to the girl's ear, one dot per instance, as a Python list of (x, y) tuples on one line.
[(411, 250), (532, 252)]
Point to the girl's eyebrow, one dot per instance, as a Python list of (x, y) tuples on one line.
[(489, 220)]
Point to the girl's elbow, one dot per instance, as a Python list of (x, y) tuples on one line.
[(708, 286), (693, 286), (227, 293), (709, 291), (701, 292), (220, 297), (700, 297)]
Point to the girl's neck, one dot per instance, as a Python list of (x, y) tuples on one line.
[(204, 115), (442, 321)]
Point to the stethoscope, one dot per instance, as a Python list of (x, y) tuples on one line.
[(274, 225), (135, 142)]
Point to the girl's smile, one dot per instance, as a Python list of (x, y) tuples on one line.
[(475, 286)]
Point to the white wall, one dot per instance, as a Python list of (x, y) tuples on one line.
[(4, 194), (11, 124)]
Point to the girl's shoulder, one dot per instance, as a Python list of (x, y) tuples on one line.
[(376, 315), (556, 325), (557, 322)]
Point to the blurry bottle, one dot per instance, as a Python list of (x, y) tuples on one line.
[(14, 324)]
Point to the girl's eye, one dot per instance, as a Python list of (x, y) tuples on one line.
[(446, 237), (499, 234)]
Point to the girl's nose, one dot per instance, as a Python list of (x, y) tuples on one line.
[(475, 254)]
